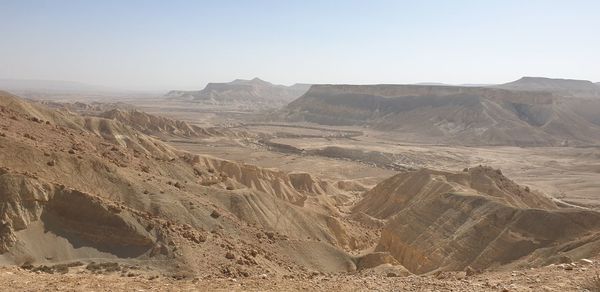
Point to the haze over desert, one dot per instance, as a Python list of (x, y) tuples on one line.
[(353, 146)]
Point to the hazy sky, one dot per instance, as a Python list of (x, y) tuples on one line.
[(185, 44)]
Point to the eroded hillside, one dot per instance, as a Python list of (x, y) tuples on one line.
[(198, 198), (104, 188), (476, 218)]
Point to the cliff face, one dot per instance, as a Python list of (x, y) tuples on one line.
[(452, 114), (450, 220)]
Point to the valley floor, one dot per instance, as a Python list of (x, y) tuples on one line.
[(571, 174)]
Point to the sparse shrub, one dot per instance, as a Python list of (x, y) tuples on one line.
[(103, 267)]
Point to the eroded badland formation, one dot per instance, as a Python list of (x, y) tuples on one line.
[(249, 185)]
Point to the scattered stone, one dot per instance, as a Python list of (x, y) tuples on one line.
[(26, 135), (51, 162), (215, 214), (229, 255)]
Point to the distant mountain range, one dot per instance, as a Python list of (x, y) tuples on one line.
[(565, 87), (445, 84), (527, 112), (239, 90)]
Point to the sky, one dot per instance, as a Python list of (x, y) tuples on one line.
[(158, 45)]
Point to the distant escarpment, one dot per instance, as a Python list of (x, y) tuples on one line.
[(453, 114)]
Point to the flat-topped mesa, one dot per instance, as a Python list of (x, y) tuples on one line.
[(241, 90), (453, 114)]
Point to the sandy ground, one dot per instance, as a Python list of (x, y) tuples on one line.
[(328, 168), (550, 278)]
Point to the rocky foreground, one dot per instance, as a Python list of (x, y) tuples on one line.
[(581, 276)]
